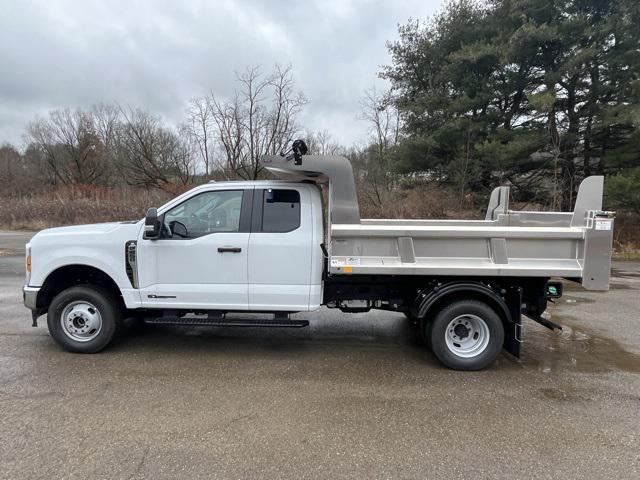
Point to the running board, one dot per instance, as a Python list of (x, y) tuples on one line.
[(228, 322)]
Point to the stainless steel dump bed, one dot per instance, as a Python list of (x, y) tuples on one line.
[(573, 245)]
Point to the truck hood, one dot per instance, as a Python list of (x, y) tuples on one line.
[(100, 245), (86, 232)]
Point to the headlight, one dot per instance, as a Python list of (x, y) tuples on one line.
[(27, 264)]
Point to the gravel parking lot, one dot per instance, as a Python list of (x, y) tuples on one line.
[(351, 396)]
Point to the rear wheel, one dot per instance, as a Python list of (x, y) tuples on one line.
[(83, 319), (466, 335)]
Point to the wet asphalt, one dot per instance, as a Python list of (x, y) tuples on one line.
[(351, 396)]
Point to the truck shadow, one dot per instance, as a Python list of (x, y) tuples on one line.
[(575, 349), (321, 335)]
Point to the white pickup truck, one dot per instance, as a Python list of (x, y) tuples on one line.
[(263, 246)]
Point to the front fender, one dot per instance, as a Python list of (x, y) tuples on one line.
[(65, 257)]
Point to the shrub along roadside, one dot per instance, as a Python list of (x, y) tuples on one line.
[(90, 204), (77, 205)]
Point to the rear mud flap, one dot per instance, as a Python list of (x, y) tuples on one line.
[(513, 329)]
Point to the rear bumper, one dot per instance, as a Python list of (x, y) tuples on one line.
[(30, 296)]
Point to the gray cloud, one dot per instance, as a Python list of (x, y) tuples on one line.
[(158, 54)]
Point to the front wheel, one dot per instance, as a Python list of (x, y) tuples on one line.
[(466, 335), (83, 319)]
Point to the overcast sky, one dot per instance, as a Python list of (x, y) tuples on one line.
[(158, 54)]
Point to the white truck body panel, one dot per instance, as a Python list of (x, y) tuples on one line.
[(285, 269), (191, 273), (98, 245), (272, 272), (280, 264)]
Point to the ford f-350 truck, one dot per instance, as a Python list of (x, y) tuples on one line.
[(278, 247)]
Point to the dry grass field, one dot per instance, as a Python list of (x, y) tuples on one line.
[(91, 204)]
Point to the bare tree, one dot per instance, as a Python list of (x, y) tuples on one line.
[(107, 119), (323, 143), (383, 118), (384, 123), (17, 175), (70, 145), (9, 165), (260, 119), (150, 154), (185, 170), (198, 128), (286, 105), (231, 134)]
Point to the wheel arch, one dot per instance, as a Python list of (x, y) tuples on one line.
[(75, 274), (429, 301)]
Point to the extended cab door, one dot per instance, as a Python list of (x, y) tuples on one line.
[(280, 249), (200, 260)]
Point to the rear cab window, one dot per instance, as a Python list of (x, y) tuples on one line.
[(280, 210)]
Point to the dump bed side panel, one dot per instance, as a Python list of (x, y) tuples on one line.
[(515, 244), (464, 251)]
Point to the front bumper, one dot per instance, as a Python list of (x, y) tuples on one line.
[(30, 297)]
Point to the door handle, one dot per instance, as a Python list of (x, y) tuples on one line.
[(229, 249)]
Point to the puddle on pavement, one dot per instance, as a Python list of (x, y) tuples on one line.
[(566, 299), (577, 348), (565, 394), (620, 286), (617, 272), (576, 287)]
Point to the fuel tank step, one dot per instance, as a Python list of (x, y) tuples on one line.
[(228, 322)]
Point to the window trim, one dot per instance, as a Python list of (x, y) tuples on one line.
[(257, 212), (246, 208)]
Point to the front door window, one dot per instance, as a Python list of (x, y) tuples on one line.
[(206, 213)]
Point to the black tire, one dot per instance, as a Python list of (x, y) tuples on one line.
[(437, 331), (108, 309)]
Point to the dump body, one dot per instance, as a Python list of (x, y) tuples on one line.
[(507, 243)]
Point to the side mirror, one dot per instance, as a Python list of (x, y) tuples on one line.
[(151, 224), (178, 228)]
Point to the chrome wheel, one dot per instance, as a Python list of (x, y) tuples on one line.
[(467, 336), (81, 321)]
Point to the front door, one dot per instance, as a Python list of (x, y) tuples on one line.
[(200, 259)]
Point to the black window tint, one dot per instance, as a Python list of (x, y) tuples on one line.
[(280, 210)]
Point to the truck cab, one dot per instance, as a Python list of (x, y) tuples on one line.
[(235, 246)]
